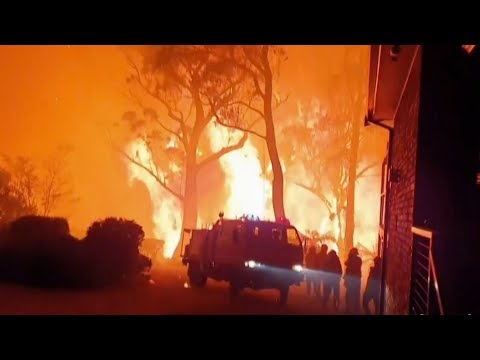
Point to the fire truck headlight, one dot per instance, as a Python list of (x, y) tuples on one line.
[(298, 268), (253, 264)]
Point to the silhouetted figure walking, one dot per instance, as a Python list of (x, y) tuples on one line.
[(310, 265), (372, 291), (320, 266), (353, 274), (333, 271)]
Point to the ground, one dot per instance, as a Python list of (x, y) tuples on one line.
[(168, 294)]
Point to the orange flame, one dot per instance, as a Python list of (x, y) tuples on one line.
[(249, 190), (250, 193), (167, 218)]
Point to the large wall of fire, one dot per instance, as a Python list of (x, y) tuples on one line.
[(77, 95)]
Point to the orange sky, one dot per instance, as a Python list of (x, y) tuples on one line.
[(51, 95)]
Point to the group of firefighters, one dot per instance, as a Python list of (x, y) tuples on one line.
[(324, 274)]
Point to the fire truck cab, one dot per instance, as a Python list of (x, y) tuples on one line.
[(247, 253)]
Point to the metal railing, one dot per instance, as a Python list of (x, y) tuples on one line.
[(423, 272)]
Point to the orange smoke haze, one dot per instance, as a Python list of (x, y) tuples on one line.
[(52, 95)]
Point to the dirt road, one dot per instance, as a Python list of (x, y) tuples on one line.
[(169, 294)]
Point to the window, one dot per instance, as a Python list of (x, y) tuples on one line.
[(237, 234), (478, 169), (292, 237), (276, 235)]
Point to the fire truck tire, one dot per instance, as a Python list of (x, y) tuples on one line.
[(283, 295), (196, 276)]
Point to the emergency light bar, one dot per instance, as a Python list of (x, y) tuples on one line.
[(250, 217)]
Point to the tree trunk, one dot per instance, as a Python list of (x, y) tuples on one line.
[(277, 182), (190, 205), (352, 179), (338, 216)]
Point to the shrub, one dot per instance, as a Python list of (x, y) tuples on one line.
[(40, 251), (113, 249)]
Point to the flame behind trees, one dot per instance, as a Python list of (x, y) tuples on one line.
[(178, 90), (328, 149), (261, 66)]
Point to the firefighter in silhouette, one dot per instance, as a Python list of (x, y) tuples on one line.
[(333, 271), (372, 291), (310, 258), (353, 275), (320, 264)]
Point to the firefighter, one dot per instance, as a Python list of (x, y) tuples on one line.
[(320, 264), (333, 270), (310, 265), (372, 291), (353, 275)]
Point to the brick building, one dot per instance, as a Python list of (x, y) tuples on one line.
[(427, 98)]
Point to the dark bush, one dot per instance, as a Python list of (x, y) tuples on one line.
[(113, 249), (40, 251)]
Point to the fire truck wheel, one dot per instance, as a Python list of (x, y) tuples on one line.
[(196, 276), (284, 294)]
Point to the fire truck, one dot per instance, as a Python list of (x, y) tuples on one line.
[(246, 252)]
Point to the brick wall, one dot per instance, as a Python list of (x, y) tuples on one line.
[(402, 195), (445, 194)]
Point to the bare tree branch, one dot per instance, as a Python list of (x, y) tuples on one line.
[(317, 193), (280, 101), (155, 176), (178, 116), (252, 60), (189, 111), (224, 150), (240, 128), (140, 165), (366, 168), (156, 119), (249, 106), (254, 76), (153, 165)]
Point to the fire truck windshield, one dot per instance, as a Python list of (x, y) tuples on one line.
[(275, 232), (292, 236)]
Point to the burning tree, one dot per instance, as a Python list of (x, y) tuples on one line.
[(329, 149), (23, 182), (178, 90), (56, 181), (261, 66), (317, 162), (11, 206), (36, 190)]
